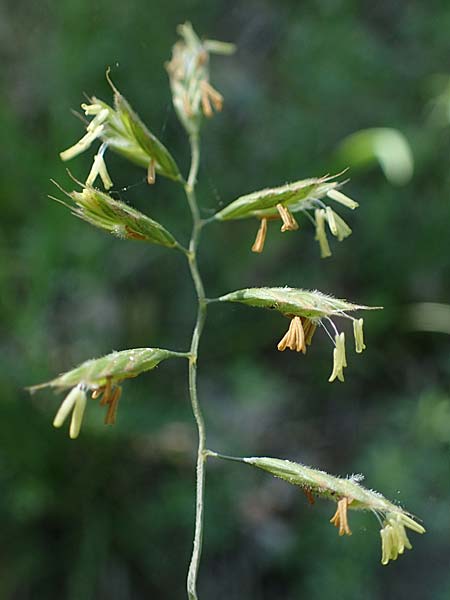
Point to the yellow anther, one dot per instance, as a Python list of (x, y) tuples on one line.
[(289, 223), (258, 246)]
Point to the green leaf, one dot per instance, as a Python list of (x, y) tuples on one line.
[(114, 367), (99, 209), (292, 301), (387, 146), (295, 196)]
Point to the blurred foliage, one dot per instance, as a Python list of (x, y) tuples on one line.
[(384, 145), (98, 518)]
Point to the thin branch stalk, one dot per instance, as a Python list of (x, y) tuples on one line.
[(197, 225)]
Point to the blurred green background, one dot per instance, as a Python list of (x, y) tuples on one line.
[(111, 515)]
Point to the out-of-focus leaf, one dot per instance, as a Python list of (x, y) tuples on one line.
[(429, 316), (387, 146)]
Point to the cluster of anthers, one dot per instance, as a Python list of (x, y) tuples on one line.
[(193, 88), (340, 519), (394, 539), (322, 214), (393, 535), (301, 331), (95, 130), (75, 403)]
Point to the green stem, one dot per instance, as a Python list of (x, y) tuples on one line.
[(197, 225), (213, 454)]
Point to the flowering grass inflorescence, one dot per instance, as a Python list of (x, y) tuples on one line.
[(120, 129)]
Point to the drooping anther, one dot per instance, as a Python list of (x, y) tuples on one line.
[(151, 173), (289, 223), (97, 393), (309, 329), (309, 495), (339, 519), (294, 338), (339, 358), (258, 246), (106, 392), (202, 58), (110, 417), (208, 95)]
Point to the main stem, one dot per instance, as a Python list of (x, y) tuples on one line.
[(201, 317)]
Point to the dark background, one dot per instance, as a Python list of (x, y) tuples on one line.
[(111, 515)]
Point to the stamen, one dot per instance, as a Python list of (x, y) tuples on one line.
[(341, 348), (258, 246), (309, 329), (151, 173), (98, 120), (107, 392), (110, 417), (103, 171), (359, 335), (331, 220), (283, 343), (77, 414), (91, 109), (321, 235), (133, 234), (99, 168), (336, 372), (82, 144), (300, 335), (339, 358), (385, 546), (66, 406), (97, 393), (309, 496), (202, 58), (289, 223), (211, 94), (342, 198), (343, 230), (206, 104), (339, 519), (294, 338)]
